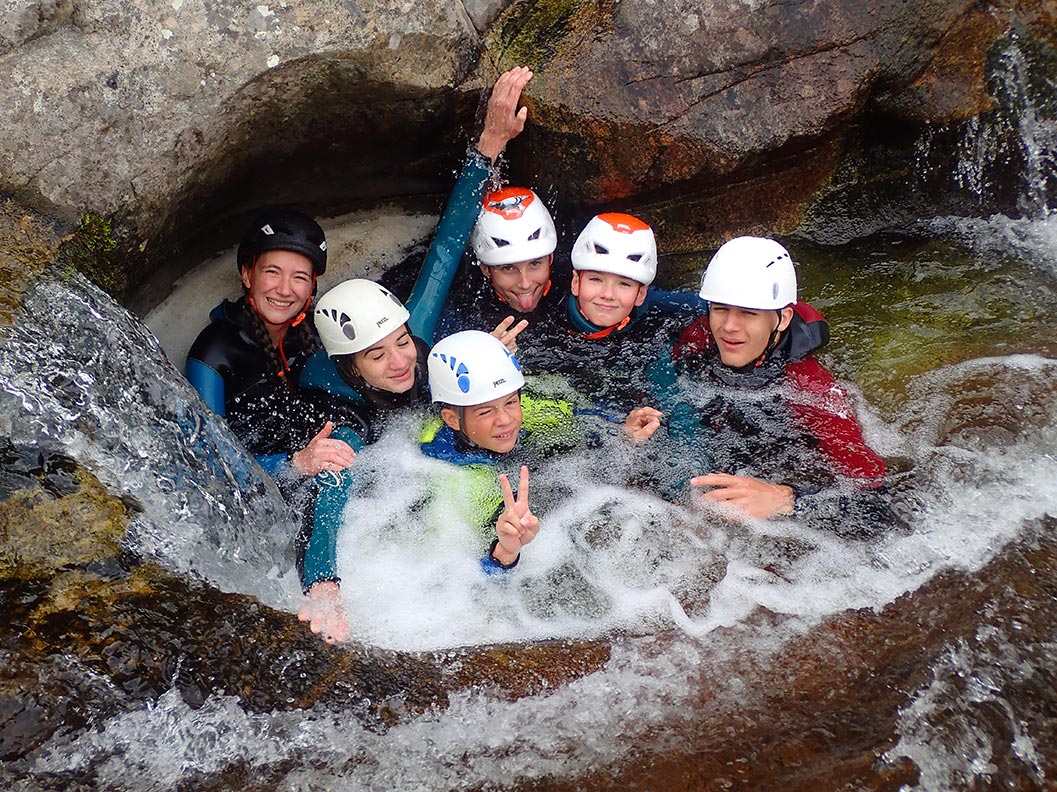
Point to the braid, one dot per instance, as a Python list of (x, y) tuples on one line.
[(307, 334), (264, 341)]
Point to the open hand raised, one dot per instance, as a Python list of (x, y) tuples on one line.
[(504, 120)]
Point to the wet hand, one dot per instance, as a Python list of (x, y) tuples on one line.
[(642, 423), (517, 525), (755, 497), (324, 612), (323, 453), (507, 334), (503, 120)]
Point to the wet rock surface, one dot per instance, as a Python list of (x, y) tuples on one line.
[(180, 119), (90, 632)]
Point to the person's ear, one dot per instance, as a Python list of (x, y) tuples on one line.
[(450, 416), (786, 318), (574, 285), (486, 271), (246, 272), (643, 291)]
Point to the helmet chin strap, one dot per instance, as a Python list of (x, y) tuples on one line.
[(771, 343)]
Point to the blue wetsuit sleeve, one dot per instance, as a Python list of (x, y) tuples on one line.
[(208, 383), (675, 301), (449, 243), (210, 387), (274, 464), (333, 493), (321, 553), (490, 566)]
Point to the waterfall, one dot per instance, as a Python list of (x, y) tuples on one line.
[(83, 378)]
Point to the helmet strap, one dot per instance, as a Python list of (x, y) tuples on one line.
[(607, 330), (772, 342)]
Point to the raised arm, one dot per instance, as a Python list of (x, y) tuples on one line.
[(503, 122)]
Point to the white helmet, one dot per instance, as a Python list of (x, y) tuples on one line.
[(617, 243), (750, 272), (355, 314), (472, 367), (513, 226)]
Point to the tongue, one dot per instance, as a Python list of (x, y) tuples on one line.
[(525, 302)]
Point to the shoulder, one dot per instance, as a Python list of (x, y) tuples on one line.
[(808, 331), (321, 373), (808, 374), (222, 339), (695, 339)]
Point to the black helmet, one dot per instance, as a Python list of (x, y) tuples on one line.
[(284, 229)]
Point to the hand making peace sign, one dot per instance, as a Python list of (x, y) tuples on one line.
[(517, 525), (507, 332)]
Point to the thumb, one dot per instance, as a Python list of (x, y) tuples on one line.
[(324, 432)]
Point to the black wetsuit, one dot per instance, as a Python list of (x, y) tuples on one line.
[(265, 410), (784, 420)]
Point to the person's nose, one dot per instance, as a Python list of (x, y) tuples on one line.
[(730, 322), (285, 285)]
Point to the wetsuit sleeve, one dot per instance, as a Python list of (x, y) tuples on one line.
[(828, 415), (332, 493), (490, 566), (677, 301), (321, 552), (449, 243), (857, 504), (208, 383)]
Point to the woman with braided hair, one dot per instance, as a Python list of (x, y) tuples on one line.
[(247, 362)]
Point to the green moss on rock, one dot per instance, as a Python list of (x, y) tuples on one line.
[(101, 251)]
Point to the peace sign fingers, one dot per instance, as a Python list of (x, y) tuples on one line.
[(509, 501), (523, 487)]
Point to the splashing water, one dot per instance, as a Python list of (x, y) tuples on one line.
[(82, 377)]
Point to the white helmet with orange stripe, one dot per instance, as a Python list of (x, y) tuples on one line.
[(513, 226), (618, 243)]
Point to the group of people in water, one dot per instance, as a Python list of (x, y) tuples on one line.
[(306, 384)]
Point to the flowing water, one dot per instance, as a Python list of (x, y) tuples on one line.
[(945, 329)]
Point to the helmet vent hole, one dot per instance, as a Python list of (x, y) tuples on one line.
[(535, 234), (635, 257), (500, 242), (601, 250)]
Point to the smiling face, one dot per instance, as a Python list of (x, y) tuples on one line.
[(521, 285), (606, 299), (389, 365), (280, 284), (493, 426), (742, 334)]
